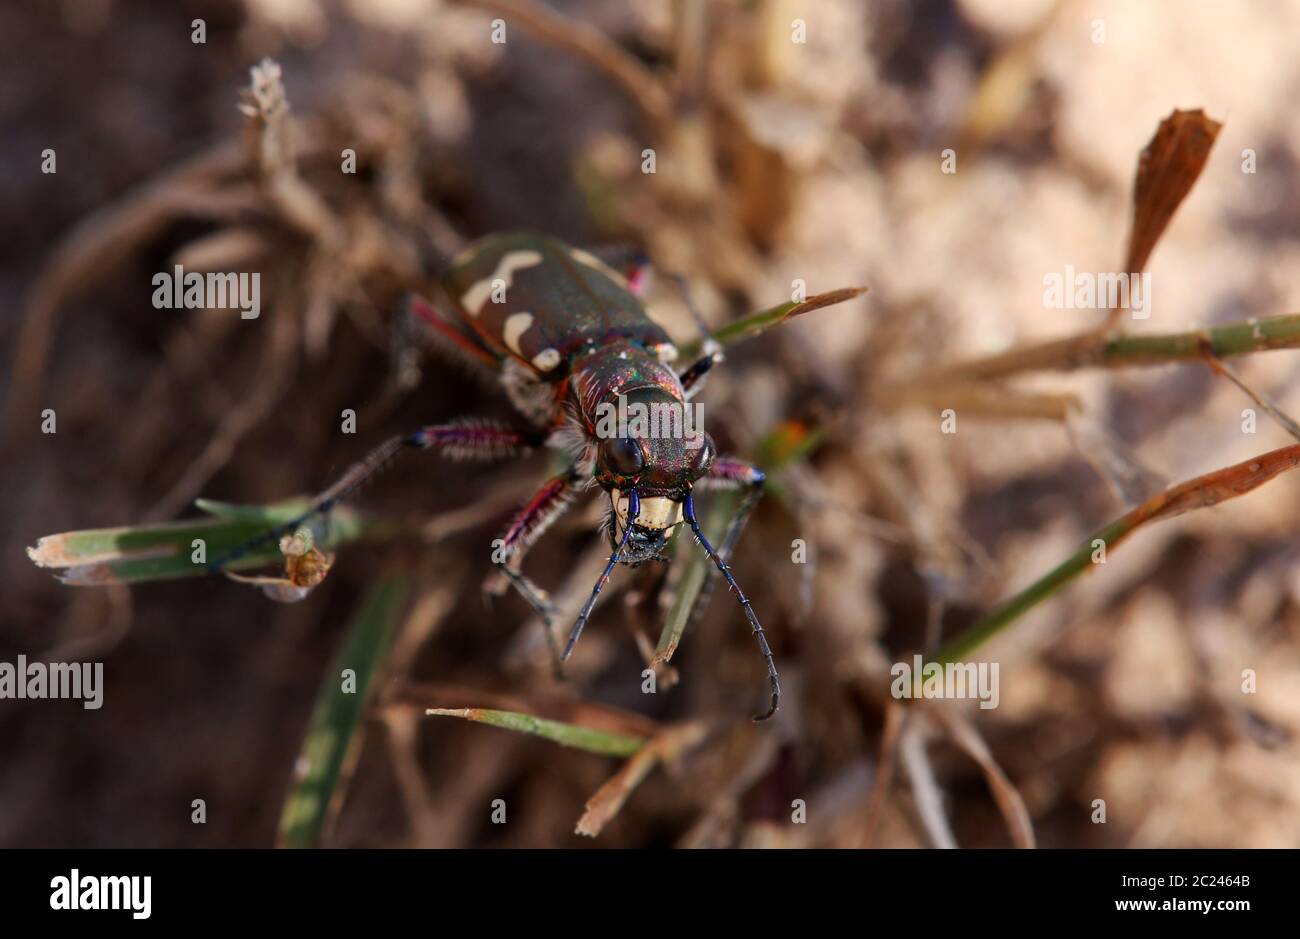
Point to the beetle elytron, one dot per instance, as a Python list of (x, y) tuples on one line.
[(567, 335)]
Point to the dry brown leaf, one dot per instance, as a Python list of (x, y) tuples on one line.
[(1167, 170), (1219, 486), (609, 798)]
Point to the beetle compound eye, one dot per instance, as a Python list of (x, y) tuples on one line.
[(623, 456), (703, 456)]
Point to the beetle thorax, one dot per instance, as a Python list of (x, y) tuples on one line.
[(620, 368)]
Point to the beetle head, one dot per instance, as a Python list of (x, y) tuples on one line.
[(659, 452)]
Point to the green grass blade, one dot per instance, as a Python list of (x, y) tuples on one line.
[(1077, 563), (697, 570), (1200, 492), (568, 735), (136, 554), (332, 733), (1230, 339), (274, 514), (756, 323)]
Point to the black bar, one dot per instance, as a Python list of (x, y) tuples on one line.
[(217, 889)]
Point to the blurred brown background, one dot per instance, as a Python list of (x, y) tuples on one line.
[(777, 161)]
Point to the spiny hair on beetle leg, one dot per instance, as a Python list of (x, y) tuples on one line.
[(464, 450), (536, 527), (361, 474)]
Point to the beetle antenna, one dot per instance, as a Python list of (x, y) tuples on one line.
[(633, 510), (688, 509)]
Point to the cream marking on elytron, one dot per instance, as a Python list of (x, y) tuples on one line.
[(546, 360), (587, 259), (516, 325), (474, 298)]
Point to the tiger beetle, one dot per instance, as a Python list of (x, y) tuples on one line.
[(569, 337)]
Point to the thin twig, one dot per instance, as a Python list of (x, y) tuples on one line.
[(668, 746), (1263, 400), (588, 42), (1108, 350), (272, 379), (1010, 803), (925, 788), (896, 717), (94, 246)]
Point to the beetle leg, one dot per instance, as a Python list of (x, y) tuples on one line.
[(404, 350), (710, 345), (633, 510), (546, 505), (549, 502), (684, 288), (637, 272), (543, 607), (630, 262), (693, 378), (466, 439), (730, 473), (455, 342)]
